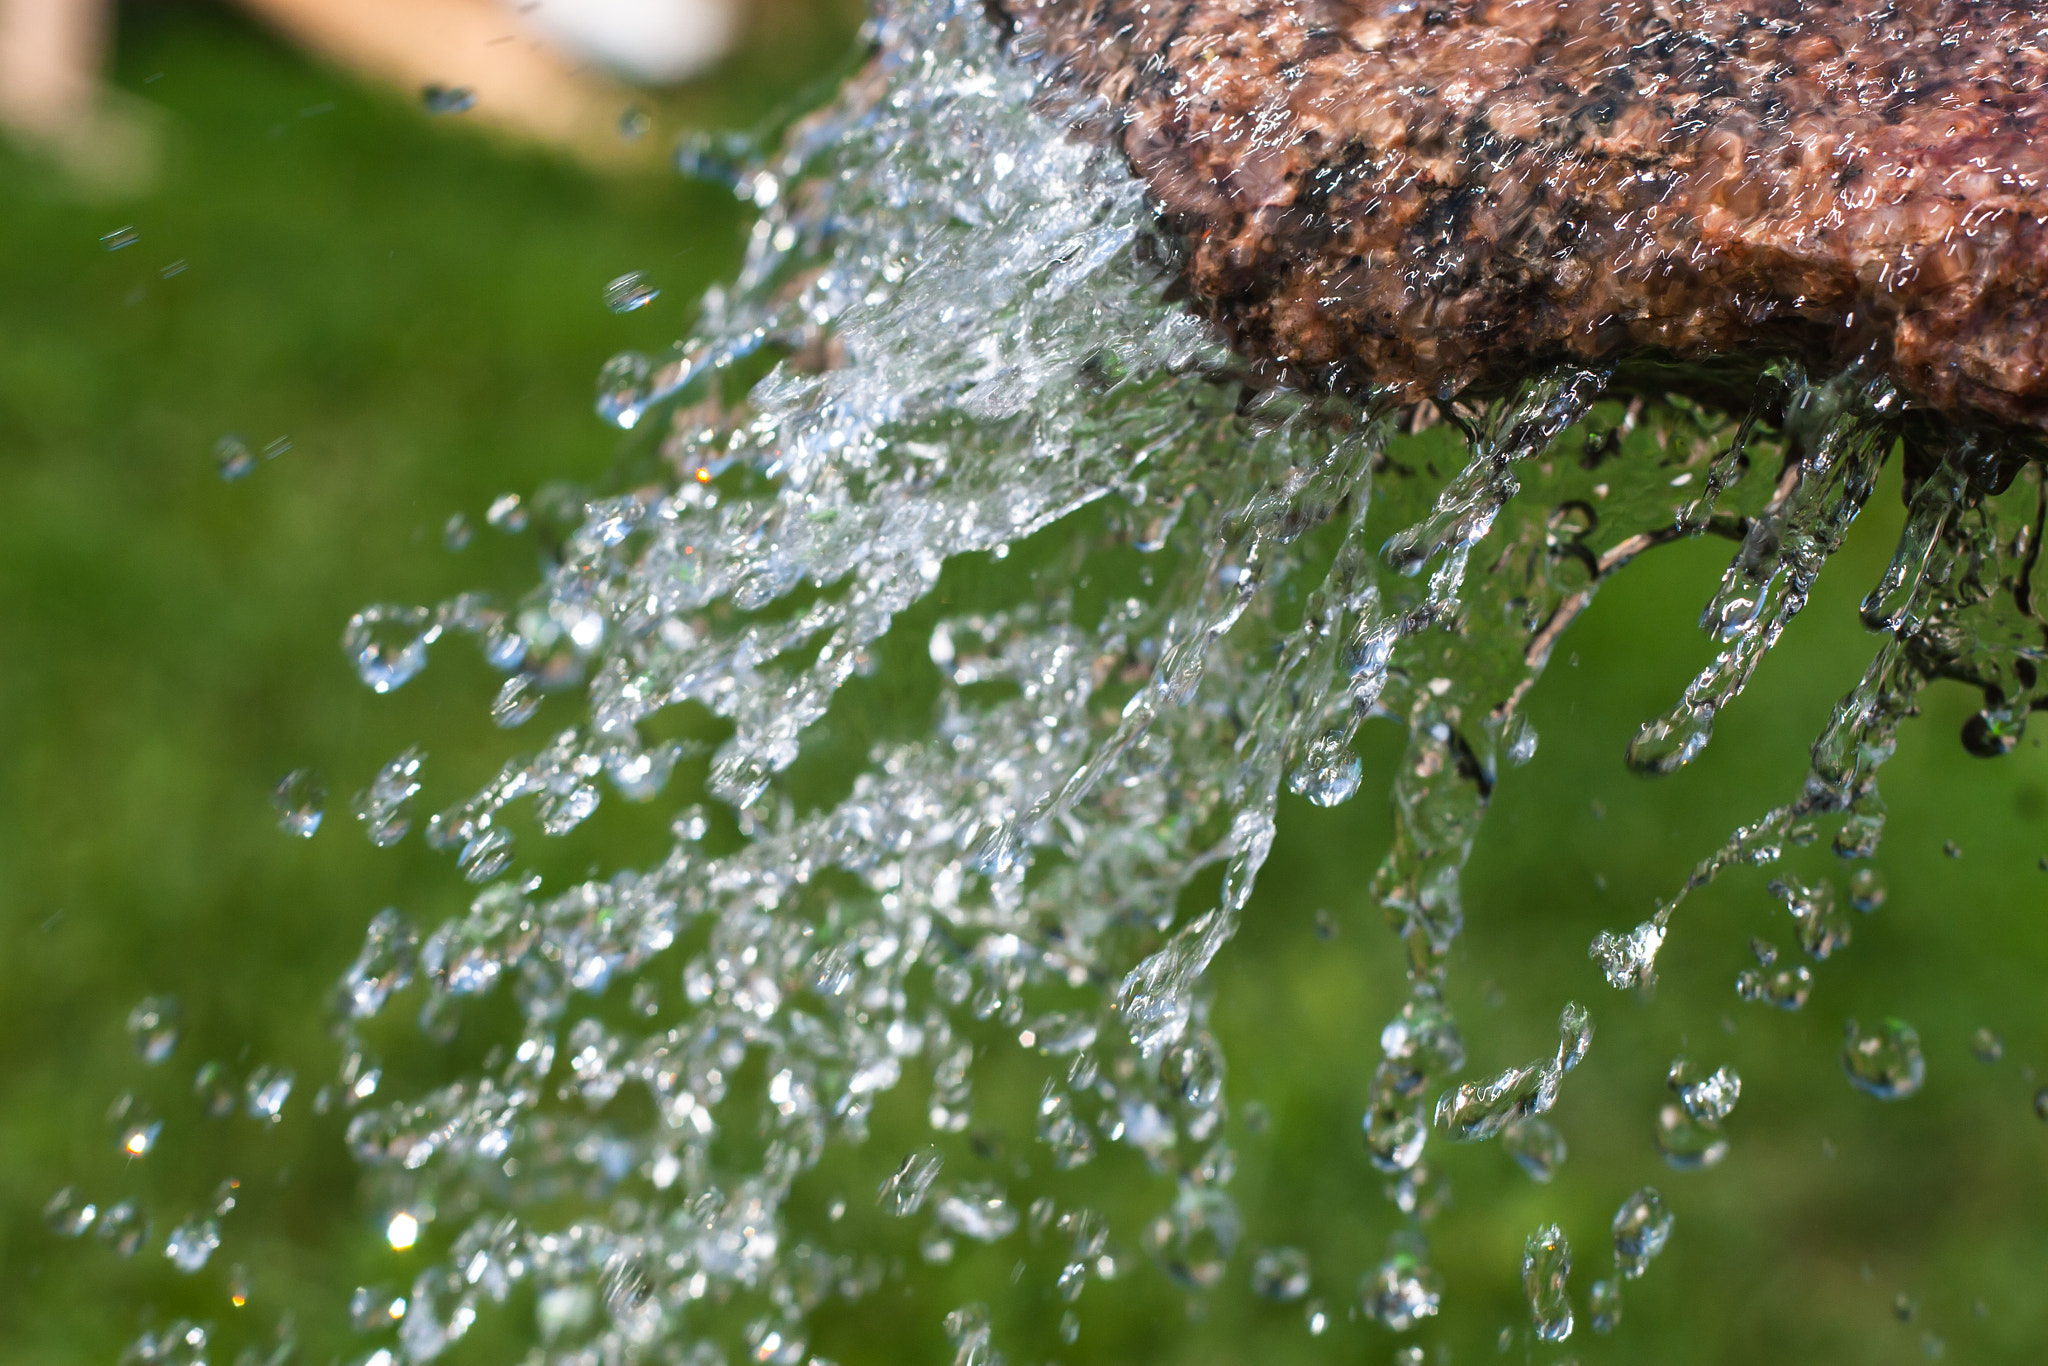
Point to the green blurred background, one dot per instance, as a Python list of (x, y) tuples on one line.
[(418, 309)]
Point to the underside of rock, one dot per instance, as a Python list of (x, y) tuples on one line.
[(1414, 197)]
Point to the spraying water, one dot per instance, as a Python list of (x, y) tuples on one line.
[(948, 434)]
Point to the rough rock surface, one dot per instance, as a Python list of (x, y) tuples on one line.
[(1428, 194)]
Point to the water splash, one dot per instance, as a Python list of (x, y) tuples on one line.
[(951, 347)]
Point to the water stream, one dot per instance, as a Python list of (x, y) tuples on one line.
[(948, 448)]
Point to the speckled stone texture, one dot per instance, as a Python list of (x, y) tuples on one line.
[(1424, 195)]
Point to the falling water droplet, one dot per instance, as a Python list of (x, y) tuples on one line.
[(1546, 1266), (153, 1025), (2041, 1103), (904, 1191), (1885, 1062), (192, 1244), (1707, 1096), (1642, 1226), (1823, 929), (1404, 1290), (1994, 732), (516, 702), (120, 237), (1537, 1147), (266, 1092), (1604, 1306), (1687, 1144), (1329, 773), (1866, 890), (634, 123), (485, 856), (507, 513), (1787, 989), (66, 1217), (629, 292), (385, 806), (1280, 1274), (456, 533), (1986, 1046), (233, 457), (388, 644), (716, 158), (448, 99), (1521, 740), (622, 389), (300, 800)]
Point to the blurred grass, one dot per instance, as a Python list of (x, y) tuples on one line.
[(418, 310)]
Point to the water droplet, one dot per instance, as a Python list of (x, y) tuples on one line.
[(980, 1212), (1866, 890), (516, 702), (1280, 1274), (1629, 960), (456, 532), (1642, 1226), (1986, 1046), (120, 237), (66, 1217), (388, 644), (1994, 732), (300, 800), (191, 1244), (716, 158), (1687, 1144), (281, 446), (1885, 1062), (153, 1025), (234, 459), (1546, 1267), (1408, 1355), (448, 99), (629, 292), (1707, 1096), (634, 123), (1603, 1306), (1823, 929), (267, 1089), (622, 389), (1903, 1308), (1521, 740), (1787, 989), (904, 1191), (1951, 848), (1537, 1147), (1329, 773), (2041, 1103), (385, 806), (485, 856), (507, 513), (1574, 1035), (1403, 1291)]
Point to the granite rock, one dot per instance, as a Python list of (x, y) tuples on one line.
[(1413, 197)]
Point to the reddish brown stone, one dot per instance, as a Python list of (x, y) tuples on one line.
[(1430, 194)]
